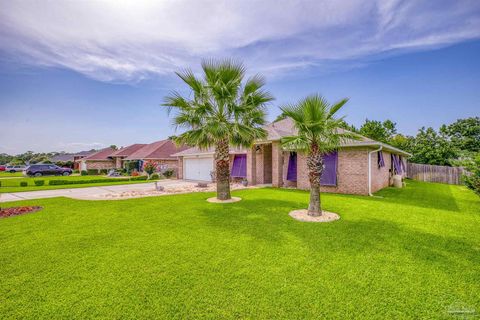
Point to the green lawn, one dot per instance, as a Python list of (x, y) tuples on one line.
[(414, 253), (13, 184), (4, 174)]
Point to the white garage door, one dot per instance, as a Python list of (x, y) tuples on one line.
[(198, 168)]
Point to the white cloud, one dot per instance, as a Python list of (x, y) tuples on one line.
[(133, 40)]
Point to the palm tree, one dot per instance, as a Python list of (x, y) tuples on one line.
[(221, 112), (318, 134)]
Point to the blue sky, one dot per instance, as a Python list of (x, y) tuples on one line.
[(87, 75)]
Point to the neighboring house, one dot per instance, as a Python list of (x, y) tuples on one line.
[(119, 156), (67, 158), (159, 152), (108, 158), (358, 167), (99, 160)]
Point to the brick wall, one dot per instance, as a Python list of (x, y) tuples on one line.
[(167, 164), (277, 164), (259, 156), (180, 168), (118, 162), (99, 165), (352, 172), (380, 176)]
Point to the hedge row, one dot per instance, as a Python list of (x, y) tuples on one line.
[(61, 182)]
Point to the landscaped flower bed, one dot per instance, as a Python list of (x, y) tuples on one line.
[(16, 211)]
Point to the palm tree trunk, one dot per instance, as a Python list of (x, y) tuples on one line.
[(315, 206), (315, 168), (222, 167)]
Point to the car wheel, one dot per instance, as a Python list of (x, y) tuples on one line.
[(12, 171), (38, 174), (66, 173)]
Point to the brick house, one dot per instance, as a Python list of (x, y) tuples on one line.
[(159, 152), (108, 158), (99, 160), (70, 159), (358, 167), (119, 156)]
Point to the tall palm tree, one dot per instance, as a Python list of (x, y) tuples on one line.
[(221, 112), (318, 134)]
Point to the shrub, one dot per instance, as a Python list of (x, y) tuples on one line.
[(150, 167), (103, 171), (472, 178), (138, 178), (135, 173), (155, 176), (39, 182), (76, 171), (62, 182), (23, 184), (131, 166), (168, 173), (84, 173), (92, 172)]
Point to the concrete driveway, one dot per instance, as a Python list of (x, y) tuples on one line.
[(94, 193)]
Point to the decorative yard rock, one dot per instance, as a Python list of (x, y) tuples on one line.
[(202, 185), (158, 187), (216, 200), (165, 191), (302, 215)]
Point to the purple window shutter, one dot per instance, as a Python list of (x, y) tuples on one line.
[(381, 162), (396, 164), (292, 167), (402, 165), (239, 167), (329, 174)]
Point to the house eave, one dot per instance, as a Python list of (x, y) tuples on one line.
[(360, 144)]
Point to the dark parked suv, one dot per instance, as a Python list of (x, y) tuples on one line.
[(38, 170)]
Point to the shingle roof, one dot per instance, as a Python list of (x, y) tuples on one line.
[(196, 150), (127, 151), (283, 128), (101, 155), (64, 157), (157, 150)]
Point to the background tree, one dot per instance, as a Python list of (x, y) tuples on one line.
[(5, 158), (472, 180), (347, 126), (221, 112), (402, 142), (318, 134), (464, 133), (429, 147), (379, 131)]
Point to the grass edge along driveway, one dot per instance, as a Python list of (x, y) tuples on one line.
[(13, 184), (414, 253)]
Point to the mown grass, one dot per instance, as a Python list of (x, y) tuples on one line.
[(414, 253), (13, 184), (5, 174)]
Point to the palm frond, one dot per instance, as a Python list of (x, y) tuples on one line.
[(314, 118), (221, 108)]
